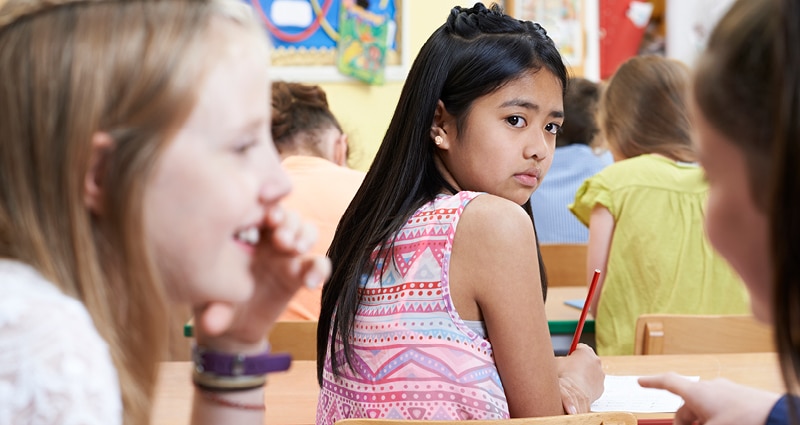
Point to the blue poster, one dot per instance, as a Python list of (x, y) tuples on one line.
[(314, 24)]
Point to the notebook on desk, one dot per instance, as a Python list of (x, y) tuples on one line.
[(577, 303), (624, 394)]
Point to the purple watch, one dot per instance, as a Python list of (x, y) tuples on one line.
[(224, 364)]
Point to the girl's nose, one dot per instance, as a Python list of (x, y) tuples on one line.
[(537, 147), (275, 184)]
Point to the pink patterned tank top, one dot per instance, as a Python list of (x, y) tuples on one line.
[(414, 358)]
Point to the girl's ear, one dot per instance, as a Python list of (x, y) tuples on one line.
[(93, 190), (340, 149), (442, 120)]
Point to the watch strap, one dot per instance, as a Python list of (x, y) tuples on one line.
[(226, 364)]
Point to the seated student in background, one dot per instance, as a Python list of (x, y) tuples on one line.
[(645, 211), (137, 171), (574, 161), (313, 149), (749, 74), (435, 309)]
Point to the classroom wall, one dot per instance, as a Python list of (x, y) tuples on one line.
[(365, 111)]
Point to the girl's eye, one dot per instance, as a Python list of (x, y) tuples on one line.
[(516, 121), (243, 147), (553, 128)]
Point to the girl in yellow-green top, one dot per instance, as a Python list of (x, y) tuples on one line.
[(645, 211)]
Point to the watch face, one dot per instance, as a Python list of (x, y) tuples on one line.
[(224, 364)]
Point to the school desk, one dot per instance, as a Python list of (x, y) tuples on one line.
[(561, 318), (291, 397)]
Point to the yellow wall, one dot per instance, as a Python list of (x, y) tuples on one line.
[(365, 111)]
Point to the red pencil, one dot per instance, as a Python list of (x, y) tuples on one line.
[(584, 310)]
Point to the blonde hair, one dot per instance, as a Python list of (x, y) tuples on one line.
[(72, 69), (643, 109)]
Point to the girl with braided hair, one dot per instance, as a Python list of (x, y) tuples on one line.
[(435, 308)]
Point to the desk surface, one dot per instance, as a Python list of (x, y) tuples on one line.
[(291, 397), (562, 318)]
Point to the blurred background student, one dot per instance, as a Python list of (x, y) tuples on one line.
[(645, 212), (313, 149), (575, 160), (749, 74)]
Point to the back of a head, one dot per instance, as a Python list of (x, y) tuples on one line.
[(475, 52), (644, 109), (580, 110), (70, 70), (747, 86), (737, 82), (299, 113)]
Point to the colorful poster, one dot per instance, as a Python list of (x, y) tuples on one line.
[(562, 20), (306, 32), (362, 43)]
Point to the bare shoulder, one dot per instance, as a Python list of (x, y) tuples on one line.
[(491, 219), (493, 235), (494, 238)]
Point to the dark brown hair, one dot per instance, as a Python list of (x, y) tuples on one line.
[(747, 86), (580, 110), (299, 112)]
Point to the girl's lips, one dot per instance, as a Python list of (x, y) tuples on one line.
[(527, 179), (247, 238), (249, 249)]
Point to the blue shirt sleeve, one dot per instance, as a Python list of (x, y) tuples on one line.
[(779, 415)]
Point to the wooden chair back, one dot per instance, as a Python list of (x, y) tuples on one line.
[(565, 264), (699, 334), (603, 418), (297, 337)]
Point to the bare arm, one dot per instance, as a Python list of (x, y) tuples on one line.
[(494, 276), (281, 267), (601, 230)]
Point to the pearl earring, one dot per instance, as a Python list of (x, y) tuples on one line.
[(438, 140)]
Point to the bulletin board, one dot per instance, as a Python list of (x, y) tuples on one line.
[(305, 33), (564, 22)]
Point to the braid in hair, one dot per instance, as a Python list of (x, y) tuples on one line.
[(298, 108)]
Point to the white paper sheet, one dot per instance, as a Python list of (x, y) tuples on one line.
[(624, 394)]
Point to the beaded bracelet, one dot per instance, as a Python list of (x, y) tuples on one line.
[(216, 398), (212, 382)]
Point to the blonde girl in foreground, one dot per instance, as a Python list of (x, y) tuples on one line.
[(136, 170)]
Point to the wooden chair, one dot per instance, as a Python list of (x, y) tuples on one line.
[(565, 264), (698, 334), (604, 418), (298, 337)]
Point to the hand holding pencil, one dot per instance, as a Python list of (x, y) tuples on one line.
[(580, 379), (580, 374)]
